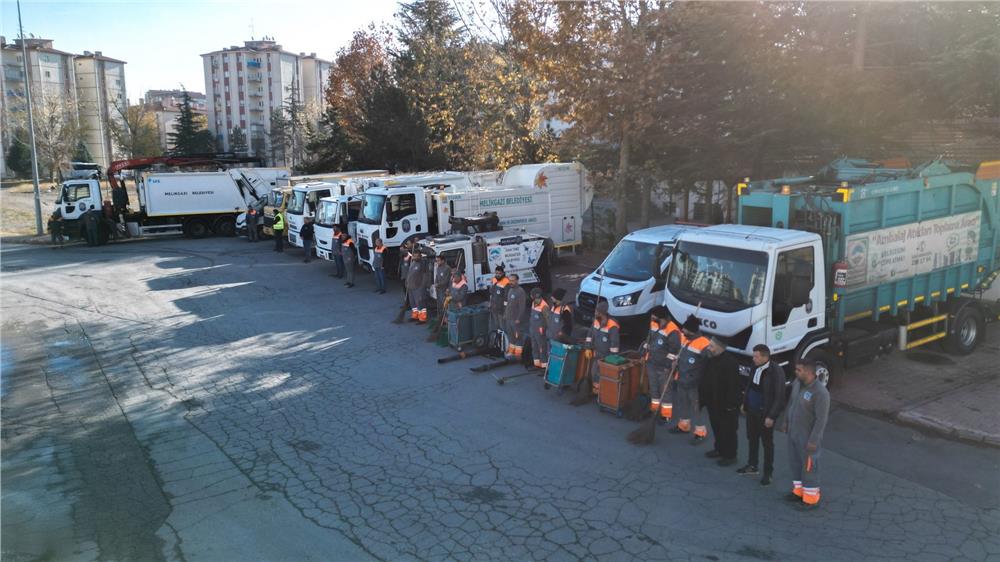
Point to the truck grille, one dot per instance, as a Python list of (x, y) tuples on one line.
[(588, 302)]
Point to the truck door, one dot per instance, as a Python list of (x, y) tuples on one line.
[(78, 198), (796, 298), (402, 218)]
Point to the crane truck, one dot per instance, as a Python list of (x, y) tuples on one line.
[(849, 264), (543, 199), (197, 204)]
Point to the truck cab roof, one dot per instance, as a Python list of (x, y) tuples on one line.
[(314, 186), (657, 234), (749, 237)]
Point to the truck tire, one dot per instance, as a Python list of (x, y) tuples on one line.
[(828, 367), (197, 228), (966, 331), (224, 226)]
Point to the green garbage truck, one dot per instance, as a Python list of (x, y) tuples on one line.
[(852, 263)]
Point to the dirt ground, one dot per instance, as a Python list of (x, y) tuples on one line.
[(17, 206)]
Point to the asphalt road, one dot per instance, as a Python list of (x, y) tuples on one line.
[(213, 400)]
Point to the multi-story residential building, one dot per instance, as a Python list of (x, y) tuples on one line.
[(165, 106), (244, 85), (102, 102), (91, 85)]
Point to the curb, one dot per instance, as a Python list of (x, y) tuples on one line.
[(910, 417)]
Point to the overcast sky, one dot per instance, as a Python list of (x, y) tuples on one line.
[(161, 41)]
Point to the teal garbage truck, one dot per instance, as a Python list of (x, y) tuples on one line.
[(852, 263)]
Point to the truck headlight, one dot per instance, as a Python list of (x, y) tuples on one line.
[(626, 300), (745, 370)]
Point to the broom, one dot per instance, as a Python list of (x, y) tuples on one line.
[(441, 321), (402, 309), (646, 432), (635, 409), (584, 393)]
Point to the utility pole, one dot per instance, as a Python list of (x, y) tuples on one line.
[(31, 125)]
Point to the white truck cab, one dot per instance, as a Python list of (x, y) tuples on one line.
[(752, 285), (303, 204), (340, 210), (634, 277)]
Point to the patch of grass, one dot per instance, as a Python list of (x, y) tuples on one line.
[(16, 222)]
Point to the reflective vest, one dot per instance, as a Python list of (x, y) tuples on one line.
[(279, 222), (537, 322), (498, 294), (691, 361), (604, 338), (663, 344)]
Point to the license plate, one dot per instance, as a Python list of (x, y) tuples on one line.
[(293, 239)]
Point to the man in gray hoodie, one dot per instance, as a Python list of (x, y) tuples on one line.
[(515, 317), (808, 411)]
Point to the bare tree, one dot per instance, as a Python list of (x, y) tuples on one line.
[(134, 131), (57, 130)]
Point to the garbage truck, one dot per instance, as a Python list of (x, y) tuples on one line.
[(197, 204), (847, 265), (477, 245), (544, 199)]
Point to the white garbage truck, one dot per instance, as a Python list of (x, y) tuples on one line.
[(544, 199), (197, 204)]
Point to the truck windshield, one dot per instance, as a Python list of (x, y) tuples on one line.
[(632, 261), (274, 199), (326, 213), (719, 278), (71, 193), (371, 209), (297, 203)]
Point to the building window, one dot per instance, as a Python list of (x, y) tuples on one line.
[(226, 74), (48, 74)]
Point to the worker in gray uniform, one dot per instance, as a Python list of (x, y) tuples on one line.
[(805, 421), (554, 327), (661, 348), (515, 315), (338, 253), (458, 290), (416, 286), (603, 339), (350, 258), (498, 297), (537, 325), (691, 363), (442, 279)]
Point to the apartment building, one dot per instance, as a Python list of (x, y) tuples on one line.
[(244, 85), (91, 84), (102, 102)]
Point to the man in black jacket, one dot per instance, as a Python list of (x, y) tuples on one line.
[(763, 403), (720, 392)]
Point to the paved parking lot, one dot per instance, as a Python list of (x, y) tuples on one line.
[(213, 400)]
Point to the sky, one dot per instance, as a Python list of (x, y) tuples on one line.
[(162, 41)]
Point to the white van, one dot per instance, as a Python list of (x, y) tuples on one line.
[(634, 277)]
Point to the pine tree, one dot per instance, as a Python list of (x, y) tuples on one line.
[(185, 138), (19, 156), (329, 148)]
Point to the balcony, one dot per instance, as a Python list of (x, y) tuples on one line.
[(255, 77)]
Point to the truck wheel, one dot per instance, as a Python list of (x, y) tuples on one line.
[(197, 228), (225, 226), (965, 332), (827, 366)]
